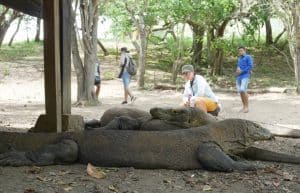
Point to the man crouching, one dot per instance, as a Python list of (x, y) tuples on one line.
[(197, 92)]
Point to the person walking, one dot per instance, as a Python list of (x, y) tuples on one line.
[(97, 81), (243, 73), (124, 62)]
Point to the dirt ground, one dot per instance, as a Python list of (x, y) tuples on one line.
[(22, 101)]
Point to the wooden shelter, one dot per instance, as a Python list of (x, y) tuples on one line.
[(57, 62)]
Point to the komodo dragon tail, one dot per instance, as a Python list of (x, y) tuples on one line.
[(266, 155)]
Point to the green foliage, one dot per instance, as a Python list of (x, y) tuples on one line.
[(168, 51), (172, 46), (20, 50), (259, 13), (123, 14), (221, 43)]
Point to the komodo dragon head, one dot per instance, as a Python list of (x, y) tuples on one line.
[(184, 116), (236, 135)]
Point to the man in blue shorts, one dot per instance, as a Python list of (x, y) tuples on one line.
[(243, 73)]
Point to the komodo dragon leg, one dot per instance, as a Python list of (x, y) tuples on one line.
[(211, 157), (63, 152), (94, 123), (266, 155)]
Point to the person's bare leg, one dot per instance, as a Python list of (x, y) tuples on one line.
[(243, 101), (125, 94), (129, 92), (244, 97), (246, 110), (97, 90)]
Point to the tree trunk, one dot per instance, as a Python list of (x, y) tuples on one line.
[(78, 66), (297, 47), (15, 33), (85, 69), (5, 23), (103, 48), (38, 30), (89, 21), (3, 29), (279, 36), (219, 54), (209, 49), (269, 37), (218, 61), (290, 12), (198, 35), (177, 63), (142, 52)]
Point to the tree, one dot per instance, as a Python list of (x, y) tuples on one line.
[(7, 16), (15, 33), (192, 13), (205, 17), (38, 30), (135, 16), (85, 68), (289, 12)]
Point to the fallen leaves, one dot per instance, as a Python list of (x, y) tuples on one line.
[(42, 179), (113, 188), (287, 176), (167, 181), (34, 170), (67, 189), (95, 172), (29, 190), (207, 188), (276, 183)]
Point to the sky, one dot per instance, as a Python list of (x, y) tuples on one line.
[(27, 30)]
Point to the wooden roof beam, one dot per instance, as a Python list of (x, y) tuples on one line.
[(30, 7)]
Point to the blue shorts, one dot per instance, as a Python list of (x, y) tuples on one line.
[(242, 84), (126, 79), (97, 80)]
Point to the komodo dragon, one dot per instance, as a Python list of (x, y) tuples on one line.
[(159, 119), (210, 147)]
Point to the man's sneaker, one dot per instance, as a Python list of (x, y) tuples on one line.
[(133, 98), (124, 102)]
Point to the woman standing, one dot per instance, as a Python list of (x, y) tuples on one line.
[(124, 62)]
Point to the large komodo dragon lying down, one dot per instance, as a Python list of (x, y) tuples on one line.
[(159, 119), (210, 146)]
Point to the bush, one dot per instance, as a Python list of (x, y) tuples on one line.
[(167, 52)]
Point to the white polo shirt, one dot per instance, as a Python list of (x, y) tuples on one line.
[(199, 88)]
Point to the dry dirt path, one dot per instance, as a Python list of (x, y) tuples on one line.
[(22, 101)]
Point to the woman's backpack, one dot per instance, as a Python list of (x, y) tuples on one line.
[(131, 67)]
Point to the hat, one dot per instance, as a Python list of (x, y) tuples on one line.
[(187, 68), (124, 49)]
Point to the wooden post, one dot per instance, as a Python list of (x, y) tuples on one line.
[(65, 52), (57, 61), (52, 65)]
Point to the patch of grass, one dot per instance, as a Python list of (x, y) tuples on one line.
[(20, 50), (108, 75)]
